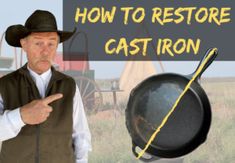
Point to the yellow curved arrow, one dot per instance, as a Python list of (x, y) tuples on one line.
[(176, 103)]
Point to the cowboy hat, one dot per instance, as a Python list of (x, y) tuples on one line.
[(39, 21)]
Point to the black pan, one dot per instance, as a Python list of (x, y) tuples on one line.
[(188, 125)]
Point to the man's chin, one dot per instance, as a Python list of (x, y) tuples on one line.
[(43, 66)]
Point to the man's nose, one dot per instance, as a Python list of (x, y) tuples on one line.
[(45, 49)]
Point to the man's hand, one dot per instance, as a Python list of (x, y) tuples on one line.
[(38, 111)]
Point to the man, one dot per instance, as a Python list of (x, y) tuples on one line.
[(42, 119)]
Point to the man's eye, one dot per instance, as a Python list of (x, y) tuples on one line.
[(52, 45), (38, 43)]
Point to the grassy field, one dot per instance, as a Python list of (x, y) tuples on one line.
[(112, 143)]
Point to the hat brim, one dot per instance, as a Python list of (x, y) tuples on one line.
[(14, 33)]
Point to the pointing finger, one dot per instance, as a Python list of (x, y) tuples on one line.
[(52, 98)]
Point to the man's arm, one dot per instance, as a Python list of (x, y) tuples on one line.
[(10, 122), (81, 133)]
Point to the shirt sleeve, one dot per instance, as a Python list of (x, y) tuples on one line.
[(81, 133), (10, 122)]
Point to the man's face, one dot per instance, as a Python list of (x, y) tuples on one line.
[(40, 48)]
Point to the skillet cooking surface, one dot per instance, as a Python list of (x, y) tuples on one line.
[(154, 99)]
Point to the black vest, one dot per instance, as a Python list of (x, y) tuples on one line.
[(50, 141)]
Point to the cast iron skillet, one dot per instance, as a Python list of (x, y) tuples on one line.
[(188, 125)]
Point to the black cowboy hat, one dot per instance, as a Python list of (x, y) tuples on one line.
[(39, 21)]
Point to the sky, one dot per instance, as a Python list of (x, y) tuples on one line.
[(16, 12)]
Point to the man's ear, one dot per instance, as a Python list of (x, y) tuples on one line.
[(23, 42)]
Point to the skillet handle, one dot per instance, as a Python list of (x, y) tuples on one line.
[(210, 60), (152, 158)]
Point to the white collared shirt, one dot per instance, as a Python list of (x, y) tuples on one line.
[(11, 122)]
